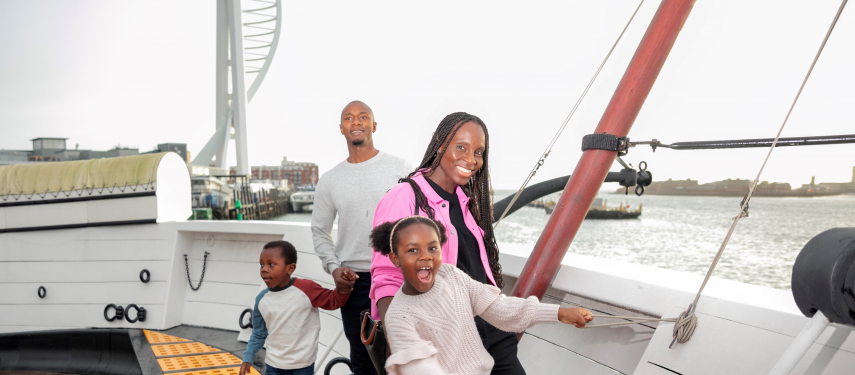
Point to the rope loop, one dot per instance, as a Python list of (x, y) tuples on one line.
[(685, 326)]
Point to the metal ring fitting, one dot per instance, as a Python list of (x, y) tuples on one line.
[(336, 361), (639, 190), (120, 312), (240, 320), (140, 313), (147, 277), (42, 292), (642, 166)]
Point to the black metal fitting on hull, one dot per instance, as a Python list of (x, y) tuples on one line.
[(240, 319), (145, 276), (120, 312), (42, 292), (335, 361), (824, 276), (140, 313)]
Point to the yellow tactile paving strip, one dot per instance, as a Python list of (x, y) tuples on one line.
[(184, 348), (219, 371), (185, 357), (160, 338), (197, 361)]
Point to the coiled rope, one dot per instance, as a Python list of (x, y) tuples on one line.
[(548, 150), (687, 322)]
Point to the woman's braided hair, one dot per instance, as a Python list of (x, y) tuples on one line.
[(478, 189)]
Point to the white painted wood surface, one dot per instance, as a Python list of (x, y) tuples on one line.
[(46, 215), (742, 329), (173, 184), (120, 210)]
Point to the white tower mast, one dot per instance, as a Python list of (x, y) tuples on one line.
[(261, 44)]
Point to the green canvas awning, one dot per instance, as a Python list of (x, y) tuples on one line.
[(54, 177)]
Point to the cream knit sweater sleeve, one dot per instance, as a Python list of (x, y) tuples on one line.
[(412, 355), (510, 314)]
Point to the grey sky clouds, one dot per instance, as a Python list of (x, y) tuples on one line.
[(140, 73)]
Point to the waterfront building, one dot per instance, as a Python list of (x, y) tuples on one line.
[(739, 187), (178, 148), (55, 149), (298, 173), (839, 187)]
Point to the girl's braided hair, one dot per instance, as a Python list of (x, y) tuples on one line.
[(385, 235), (478, 189)]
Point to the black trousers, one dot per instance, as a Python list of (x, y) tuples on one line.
[(357, 303), (502, 346)]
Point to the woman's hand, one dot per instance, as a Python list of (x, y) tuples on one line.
[(245, 368), (576, 316)]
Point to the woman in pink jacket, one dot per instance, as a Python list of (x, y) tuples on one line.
[(452, 186)]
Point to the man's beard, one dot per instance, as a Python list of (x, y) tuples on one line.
[(357, 142)]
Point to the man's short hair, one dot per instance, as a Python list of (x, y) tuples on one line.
[(289, 253)]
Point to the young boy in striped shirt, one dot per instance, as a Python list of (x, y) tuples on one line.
[(286, 314)]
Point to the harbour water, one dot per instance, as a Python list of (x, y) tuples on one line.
[(683, 233)]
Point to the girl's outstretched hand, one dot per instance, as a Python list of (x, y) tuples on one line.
[(576, 316)]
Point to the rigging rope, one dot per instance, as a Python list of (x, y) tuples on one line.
[(566, 121), (686, 323), (631, 320)]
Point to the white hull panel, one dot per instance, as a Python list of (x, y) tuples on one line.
[(743, 329)]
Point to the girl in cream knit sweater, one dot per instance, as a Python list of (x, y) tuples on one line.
[(429, 324)]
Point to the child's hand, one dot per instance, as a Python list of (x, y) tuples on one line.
[(349, 275), (245, 368), (344, 279), (576, 316)]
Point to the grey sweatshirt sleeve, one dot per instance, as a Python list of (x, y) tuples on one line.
[(323, 216)]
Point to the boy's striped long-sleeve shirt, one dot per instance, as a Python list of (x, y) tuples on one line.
[(288, 320)]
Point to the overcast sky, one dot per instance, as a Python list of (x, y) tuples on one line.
[(139, 73)]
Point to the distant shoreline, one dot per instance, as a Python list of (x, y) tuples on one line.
[(737, 194)]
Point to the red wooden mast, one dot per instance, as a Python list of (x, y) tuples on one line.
[(579, 193)]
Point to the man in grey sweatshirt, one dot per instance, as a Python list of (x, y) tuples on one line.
[(352, 190)]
